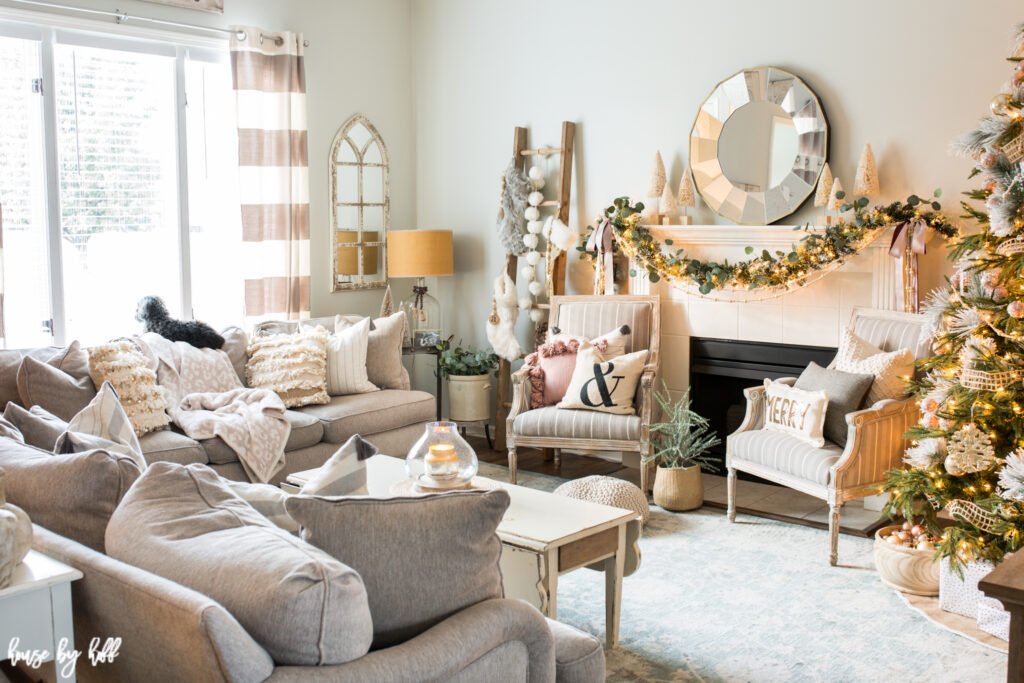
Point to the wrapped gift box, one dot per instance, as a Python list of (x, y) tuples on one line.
[(960, 594), (993, 619)]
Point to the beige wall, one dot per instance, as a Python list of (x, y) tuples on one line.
[(905, 76)]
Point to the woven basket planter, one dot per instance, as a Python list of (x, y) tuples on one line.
[(906, 569)]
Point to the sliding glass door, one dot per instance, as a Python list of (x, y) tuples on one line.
[(114, 156)]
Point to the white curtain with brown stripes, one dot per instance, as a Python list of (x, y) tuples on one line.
[(273, 159)]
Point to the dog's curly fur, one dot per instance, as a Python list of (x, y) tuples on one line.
[(152, 313)]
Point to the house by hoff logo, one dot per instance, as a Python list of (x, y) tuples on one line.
[(66, 657), (602, 386)]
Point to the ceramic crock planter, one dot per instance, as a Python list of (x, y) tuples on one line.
[(15, 536), (904, 567), (469, 397), (678, 488)]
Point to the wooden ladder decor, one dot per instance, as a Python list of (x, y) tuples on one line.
[(558, 270)]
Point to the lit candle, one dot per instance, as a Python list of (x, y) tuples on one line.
[(441, 462)]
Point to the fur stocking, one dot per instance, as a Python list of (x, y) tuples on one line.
[(501, 325)]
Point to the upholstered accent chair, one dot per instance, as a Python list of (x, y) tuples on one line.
[(874, 442), (587, 430)]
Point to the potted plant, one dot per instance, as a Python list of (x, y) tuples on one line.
[(680, 443), (468, 372)]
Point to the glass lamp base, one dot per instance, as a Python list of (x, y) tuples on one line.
[(422, 318)]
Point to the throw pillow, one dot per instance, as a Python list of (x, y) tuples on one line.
[(346, 360), (61, 384), (38, 427), (344, 473), (185, 524), (613, 343), (604, 385), (421, 558), (891, 369), (551, 368), (845, 392), (383, 350), (795, 412), (8, 430), (292, 365), (102, 424), (236, 345), (72, 494), (128, 370), (266, 499)]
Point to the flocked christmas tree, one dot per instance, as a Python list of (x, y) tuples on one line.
[(967, 454), (824, 190)]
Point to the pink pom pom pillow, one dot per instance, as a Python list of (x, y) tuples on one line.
[(552, 364)]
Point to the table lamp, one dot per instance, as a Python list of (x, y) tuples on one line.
[(420, 254)]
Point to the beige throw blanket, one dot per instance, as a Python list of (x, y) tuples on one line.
[(207, 400)]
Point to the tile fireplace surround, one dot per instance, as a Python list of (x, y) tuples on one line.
[(812, 315)]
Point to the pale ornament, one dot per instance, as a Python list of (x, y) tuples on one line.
[(834, 202), (969, 450), (821, 195), (529, 273), (532, 257), (536, 173), (525, 303), (657, 185), (1011, 476), (686, 198), (535, 198), (534, 227), (537, 315), (866, 182), (536, 288), (532, 213), (537, 183), (530, 241)]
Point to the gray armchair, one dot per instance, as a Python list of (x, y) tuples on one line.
[(874, 442), (550, 427)]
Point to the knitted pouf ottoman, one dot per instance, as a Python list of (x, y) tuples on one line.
[(615, 493)]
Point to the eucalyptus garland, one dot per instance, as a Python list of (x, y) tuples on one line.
[(819, 248)]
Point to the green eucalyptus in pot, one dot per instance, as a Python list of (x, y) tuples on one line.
[(680, 443), (468, 371)]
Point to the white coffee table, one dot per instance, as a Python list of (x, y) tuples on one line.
[(543, 536)]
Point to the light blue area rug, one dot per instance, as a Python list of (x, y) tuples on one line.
[(758, 601)]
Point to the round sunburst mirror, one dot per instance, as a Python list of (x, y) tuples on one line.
[(757, 146)]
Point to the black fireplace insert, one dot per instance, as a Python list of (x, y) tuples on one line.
[(720, 369)]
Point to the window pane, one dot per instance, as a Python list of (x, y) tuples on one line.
[(26, 284), (215, 231), (118, 186)]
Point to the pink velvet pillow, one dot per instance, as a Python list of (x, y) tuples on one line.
[(551, 367)]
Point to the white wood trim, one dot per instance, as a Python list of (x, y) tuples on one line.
[(52, 183), (38, 571), (181, 162)]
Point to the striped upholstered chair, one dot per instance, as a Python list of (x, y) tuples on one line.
[(587, 430), (874, 442)]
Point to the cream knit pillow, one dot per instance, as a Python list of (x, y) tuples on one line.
[(891, 368), (127, 369), (294, 366), (604, 385)]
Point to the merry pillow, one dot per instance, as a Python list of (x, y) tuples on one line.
[(795, 412)]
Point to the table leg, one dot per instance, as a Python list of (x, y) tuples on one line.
[(549, 584), (63, 629), (613, 568)]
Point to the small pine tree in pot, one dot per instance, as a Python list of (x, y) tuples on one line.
[(468, 372), (680, 444)]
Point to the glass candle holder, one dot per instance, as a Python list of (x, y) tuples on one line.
[(441, 458)]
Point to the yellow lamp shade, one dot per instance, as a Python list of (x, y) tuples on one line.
[(348, 257), (419, 253)]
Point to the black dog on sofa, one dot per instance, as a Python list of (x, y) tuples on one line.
[(153, 314)]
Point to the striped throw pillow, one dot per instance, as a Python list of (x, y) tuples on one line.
[(346, 360)]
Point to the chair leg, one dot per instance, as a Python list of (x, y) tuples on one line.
[(547, 454), (512, 471), (644, 477), (556, 453), (833, 533), (730, 486)]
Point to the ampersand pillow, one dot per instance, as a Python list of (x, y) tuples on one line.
[(605, 385), (796, 412)]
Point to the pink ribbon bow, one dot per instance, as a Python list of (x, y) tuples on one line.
[(916, 232), (601, 241)]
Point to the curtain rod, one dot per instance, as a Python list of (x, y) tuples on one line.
[(123, 17)]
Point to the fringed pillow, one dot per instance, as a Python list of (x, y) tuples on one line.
[(552, 364), (128, 370), (294, 366)]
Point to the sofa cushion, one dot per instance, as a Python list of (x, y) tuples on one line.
[(49, 385), (845, 392), (422, 558), (367, 414), (579, 656), (38, 427), (236, 345), (266, 499), (127, 367), (170, 446), (10, 361), (383, 350), (786, 454), (306, 431), (186, 524), (102, 424), (577, 424), (294, 366), (72, 494)]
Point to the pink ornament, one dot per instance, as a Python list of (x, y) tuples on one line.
[(1000, 293), (993, 201), (988, 160), (1016, 309), (930, 420), (929, 405), (990, 278), (991, 185), (944, 423)]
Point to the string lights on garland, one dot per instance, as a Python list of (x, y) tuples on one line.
[(815, 254)]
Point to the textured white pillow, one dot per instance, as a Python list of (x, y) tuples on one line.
[(614, 342), (346, 360), (795, 412), (604, 385), (890, 368), (294, 366)]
